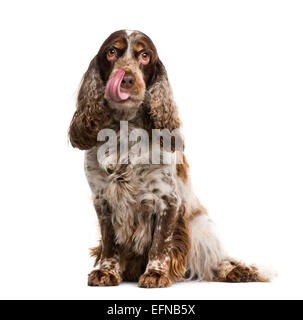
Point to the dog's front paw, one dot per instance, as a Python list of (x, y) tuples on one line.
[(154, 279), (101, 278)]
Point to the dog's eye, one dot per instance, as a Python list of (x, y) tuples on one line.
[(144, 58), (145, 55), (111, 54)]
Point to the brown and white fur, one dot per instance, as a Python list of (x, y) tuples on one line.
[(153, 228)]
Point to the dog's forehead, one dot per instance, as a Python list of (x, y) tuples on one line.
[(135, 35), (131, 37), (129, 32)]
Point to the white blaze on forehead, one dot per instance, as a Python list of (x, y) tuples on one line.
[(128, 53), (129, 32)]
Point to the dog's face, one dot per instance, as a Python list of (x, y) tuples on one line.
[(128, 63), (125, 74)]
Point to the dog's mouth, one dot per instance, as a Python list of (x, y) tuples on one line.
[(125, 88), (113, 87)]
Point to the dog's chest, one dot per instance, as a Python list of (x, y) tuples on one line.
[(127, 183), (134, 194)]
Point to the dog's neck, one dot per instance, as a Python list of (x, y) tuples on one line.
[(135, 116), (127, 114)]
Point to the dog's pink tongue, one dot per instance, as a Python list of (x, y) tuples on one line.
[(113, 87)]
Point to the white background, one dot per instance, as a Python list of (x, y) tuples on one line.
[(236, 68)]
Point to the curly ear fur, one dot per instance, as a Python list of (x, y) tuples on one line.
[(92, 114), (160, 103)]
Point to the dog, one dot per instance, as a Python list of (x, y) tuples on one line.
[(153, 228)]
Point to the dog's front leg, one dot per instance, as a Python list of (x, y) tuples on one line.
[(109, 273), (157, 270)]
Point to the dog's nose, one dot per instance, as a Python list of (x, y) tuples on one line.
[(128, 81)]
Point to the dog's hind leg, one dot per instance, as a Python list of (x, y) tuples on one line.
[(207, 260)]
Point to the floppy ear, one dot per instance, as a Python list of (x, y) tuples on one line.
[(159, 101), (92, 114)]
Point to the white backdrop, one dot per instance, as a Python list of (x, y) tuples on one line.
[(236, 69)]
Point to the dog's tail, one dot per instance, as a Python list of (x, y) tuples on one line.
[(207, 260)]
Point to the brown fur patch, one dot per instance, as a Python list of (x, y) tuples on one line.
[(120, 44), (182, 170), (180, 249), (154, 279), (138, 46)]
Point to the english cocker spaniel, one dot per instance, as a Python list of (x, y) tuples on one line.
[(153, 228)]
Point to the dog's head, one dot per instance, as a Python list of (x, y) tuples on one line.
[(128, 64), (125, 74)]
